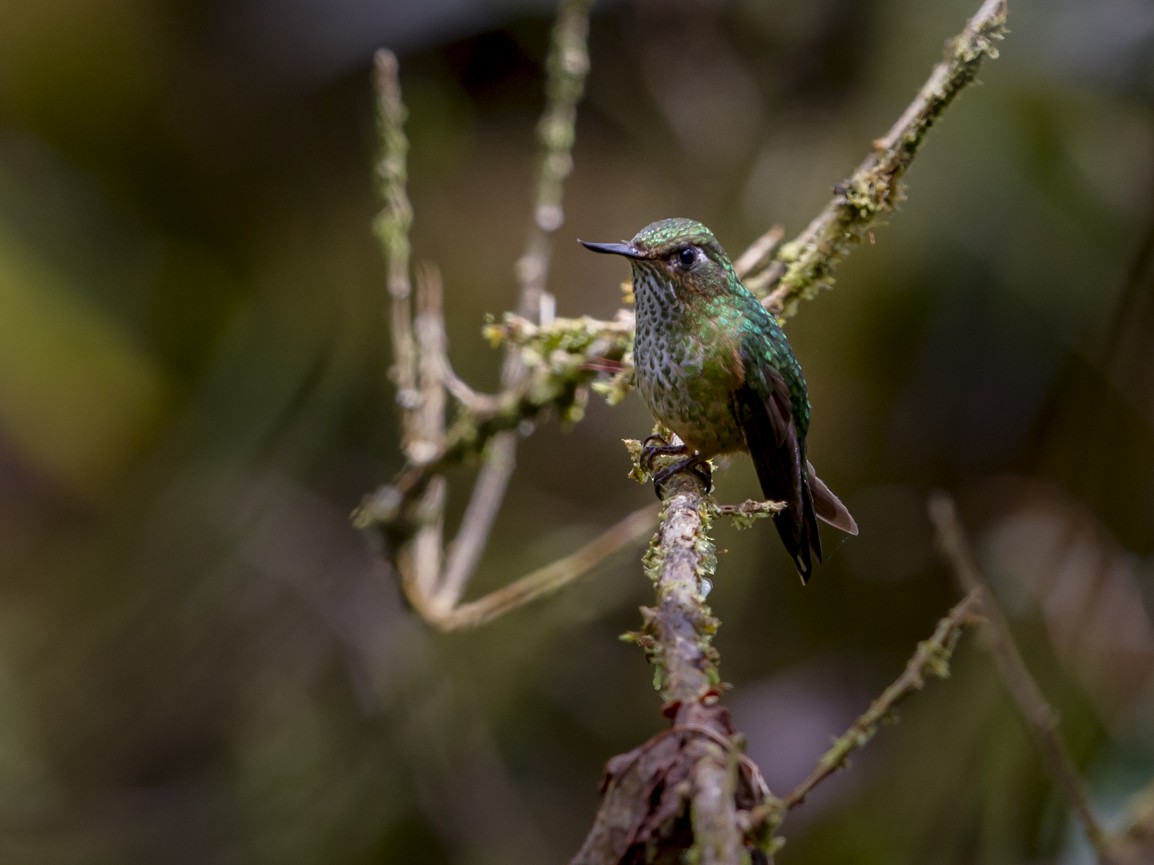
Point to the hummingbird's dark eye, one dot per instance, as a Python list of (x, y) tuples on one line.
[(686, 257)]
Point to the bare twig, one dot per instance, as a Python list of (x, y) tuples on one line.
[(759, 253), (500, 458), (430, 328), (420, 393), (411, 511), (806, 264), (547, 580), (427, 425), (566, 356), (1039, 714), (432, 360)]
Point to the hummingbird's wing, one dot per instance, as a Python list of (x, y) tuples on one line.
[(763, 409)]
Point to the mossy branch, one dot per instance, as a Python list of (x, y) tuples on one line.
[(799, 269), (690, 787)]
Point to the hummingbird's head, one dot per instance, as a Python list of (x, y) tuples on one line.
[(680, 252)]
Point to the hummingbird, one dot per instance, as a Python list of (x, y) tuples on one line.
[(715, 368)]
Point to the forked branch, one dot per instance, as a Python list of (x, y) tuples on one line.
[(552, 363)]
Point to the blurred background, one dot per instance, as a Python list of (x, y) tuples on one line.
[(202, 662)]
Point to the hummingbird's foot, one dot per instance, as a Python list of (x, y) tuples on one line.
[(697, 464), (655, 446)]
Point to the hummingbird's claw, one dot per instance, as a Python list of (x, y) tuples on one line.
[(656, 445), (697, 464), (661, 448)]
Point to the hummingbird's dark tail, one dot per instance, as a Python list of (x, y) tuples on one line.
[(797, 526), (786, 476), (771, 436)]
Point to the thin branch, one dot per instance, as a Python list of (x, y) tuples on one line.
[(432, 360), (932, 658), (565, 357), (500, 458), (568, 65), (420, 393), (759, 253), (806, 264), (434, 345), (1038, 713)]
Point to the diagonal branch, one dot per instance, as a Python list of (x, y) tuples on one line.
[(1039, 714), (932, 658), (806, 265), (544, 581)]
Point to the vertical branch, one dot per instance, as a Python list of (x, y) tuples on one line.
[(428, 412), (420, 389), (716, 832), (568, 65), (687, 793), (680, 562), (432, 362), (392, 229)]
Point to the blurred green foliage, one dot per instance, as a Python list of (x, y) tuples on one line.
[(200, 660)]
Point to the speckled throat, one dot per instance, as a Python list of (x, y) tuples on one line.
[(687, 362)]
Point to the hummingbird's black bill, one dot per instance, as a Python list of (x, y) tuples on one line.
[(626, 249)]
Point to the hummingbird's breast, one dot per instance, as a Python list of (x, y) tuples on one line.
[(688, 364)]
